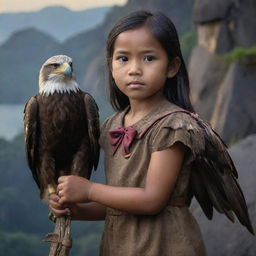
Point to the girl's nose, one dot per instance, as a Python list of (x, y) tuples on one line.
[(135, 68)]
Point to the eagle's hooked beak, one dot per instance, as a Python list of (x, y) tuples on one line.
[(64, 69)]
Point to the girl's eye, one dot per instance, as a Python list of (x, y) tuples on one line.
[(149, 58), (122, 58)]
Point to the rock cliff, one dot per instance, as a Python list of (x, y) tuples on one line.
[(224, 93)]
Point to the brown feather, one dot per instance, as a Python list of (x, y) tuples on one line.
[(93, 126), (30, 131), (217, 175), (213, 178), (61, 141)]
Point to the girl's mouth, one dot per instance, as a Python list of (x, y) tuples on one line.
[(135, 84)]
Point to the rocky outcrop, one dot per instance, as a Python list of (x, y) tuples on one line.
[(224, 93), (234, 111), (221, 236), (233, 22), (206, 73), (205, 11)]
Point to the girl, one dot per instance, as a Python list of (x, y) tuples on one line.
[(150, 146)]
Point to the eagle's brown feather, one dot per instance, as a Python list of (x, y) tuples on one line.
[(30, 130), (61, 126), (93, 126), (58, 136)]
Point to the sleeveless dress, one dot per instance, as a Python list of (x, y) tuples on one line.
[(173, 231)]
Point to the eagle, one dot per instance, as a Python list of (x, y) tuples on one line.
[(61, 127)]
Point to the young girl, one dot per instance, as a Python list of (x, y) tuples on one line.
[(150, 146)]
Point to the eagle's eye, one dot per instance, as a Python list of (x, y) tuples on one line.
[(55, 65), (70, 64)]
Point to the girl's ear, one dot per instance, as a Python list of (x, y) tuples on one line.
[(174, 67)]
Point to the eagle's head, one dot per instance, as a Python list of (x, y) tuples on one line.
[(56, 76)]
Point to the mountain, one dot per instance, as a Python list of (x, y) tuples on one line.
[(57, 21), (20, 60)]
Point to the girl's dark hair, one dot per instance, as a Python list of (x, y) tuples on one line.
[(176, 89)]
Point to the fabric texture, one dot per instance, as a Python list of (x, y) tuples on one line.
[(174, 230)]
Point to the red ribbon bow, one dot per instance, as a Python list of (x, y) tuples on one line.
[(124, 136)]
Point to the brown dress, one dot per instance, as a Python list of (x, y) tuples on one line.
[(174, 230)]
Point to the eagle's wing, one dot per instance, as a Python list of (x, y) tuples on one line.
[(214, 180), (30, 131), (92, 112)]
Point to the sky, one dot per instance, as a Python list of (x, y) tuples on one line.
[(33, 5)]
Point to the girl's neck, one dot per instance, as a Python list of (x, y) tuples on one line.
[(139, 109)]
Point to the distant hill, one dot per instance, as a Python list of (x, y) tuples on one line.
[(57, 21), (20, 60)]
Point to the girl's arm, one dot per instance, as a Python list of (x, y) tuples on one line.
[(161, 177), (82, 211)]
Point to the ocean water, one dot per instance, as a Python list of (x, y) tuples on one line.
[(11, 120)]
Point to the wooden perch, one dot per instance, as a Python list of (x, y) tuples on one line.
[(61, 241)]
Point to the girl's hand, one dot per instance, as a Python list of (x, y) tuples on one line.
[(56, 207), (73, 189)]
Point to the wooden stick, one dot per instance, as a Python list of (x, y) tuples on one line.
[(60, 240)]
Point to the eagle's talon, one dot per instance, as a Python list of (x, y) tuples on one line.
[(52, 217)]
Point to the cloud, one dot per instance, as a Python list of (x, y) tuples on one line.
[(32, 5)]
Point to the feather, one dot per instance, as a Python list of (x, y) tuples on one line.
[(31, 135), (198, 190), (93, 126), (213, 178), (216, 173)]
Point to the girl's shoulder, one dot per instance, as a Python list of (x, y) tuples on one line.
[(175, 117), (175, 124)]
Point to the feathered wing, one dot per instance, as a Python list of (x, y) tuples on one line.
[(214, 180), (92, 113), (30, 132)]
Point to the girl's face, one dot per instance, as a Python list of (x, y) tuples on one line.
[(140, 65)]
